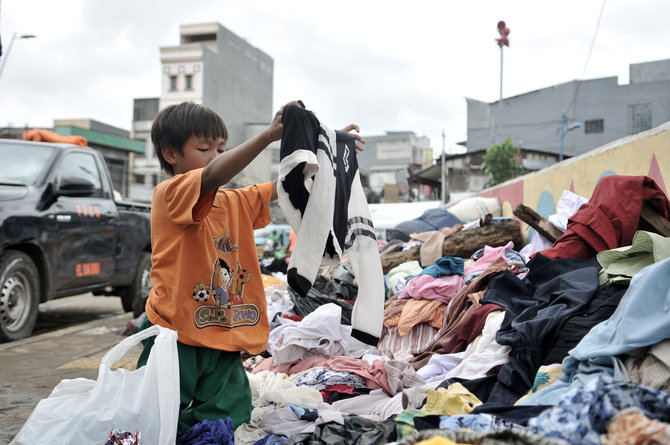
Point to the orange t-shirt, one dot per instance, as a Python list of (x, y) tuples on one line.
[(206, 278)]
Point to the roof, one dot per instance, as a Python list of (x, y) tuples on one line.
[(104, 139)]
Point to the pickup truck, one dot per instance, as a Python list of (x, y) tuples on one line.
[(62, 233)]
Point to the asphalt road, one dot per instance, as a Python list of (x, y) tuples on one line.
[(69, 311), (71, 337)]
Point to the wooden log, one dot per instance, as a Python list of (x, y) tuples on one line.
[(463, 243), (650, 220), (537, 222)]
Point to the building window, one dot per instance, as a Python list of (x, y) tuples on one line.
[(139, 179), (594, 126), (639, 118), (189, 81), (173, 82)]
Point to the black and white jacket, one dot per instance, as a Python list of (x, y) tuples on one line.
[(320, 194)]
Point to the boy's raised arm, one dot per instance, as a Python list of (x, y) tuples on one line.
[(227, 165)]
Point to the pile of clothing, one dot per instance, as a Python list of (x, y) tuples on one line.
[(569, 344)]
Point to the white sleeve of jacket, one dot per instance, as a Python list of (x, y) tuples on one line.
[(367, 316)]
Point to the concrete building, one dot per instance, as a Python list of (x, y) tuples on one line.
[(214, 67), (146, 169), (597, 111), (389, 160), (464, 173)]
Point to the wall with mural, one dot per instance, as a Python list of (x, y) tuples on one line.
[(646, 153)]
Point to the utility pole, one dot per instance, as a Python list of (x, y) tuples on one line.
[(563, 119), (443, 183), (500, 100)]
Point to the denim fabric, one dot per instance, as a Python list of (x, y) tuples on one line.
[(582, 413)]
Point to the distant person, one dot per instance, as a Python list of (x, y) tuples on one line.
[(204, 260)]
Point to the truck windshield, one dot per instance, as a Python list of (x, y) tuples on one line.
[(23, 164)]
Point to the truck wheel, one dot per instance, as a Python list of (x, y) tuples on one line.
[(136, 295), (19, 295)]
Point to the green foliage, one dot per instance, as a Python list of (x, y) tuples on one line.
[(500, 162)]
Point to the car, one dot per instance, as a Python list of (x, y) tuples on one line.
[(62, 233)]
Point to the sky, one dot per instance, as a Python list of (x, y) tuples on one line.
[(384, 65)]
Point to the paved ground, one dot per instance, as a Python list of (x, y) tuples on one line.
[(31, 368)]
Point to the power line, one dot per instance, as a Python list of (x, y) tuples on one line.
[(588, 57)]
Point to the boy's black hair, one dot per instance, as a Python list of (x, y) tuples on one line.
[(176, 123)]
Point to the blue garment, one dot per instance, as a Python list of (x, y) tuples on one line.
[(582, 413), (271, 439), (476, 422), (304, 413), (431, 219), (641, 319), (445, 266), (209, 433)]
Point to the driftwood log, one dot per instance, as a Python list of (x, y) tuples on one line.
[(537, 222), (463, 243)]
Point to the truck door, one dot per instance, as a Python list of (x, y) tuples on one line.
[(85, 225)]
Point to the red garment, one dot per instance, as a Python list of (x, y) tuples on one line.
[(293, 317), (375, 375), (610, 218), (346, 389), (472, 328)]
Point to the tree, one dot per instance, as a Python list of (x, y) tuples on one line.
[(500, 162)]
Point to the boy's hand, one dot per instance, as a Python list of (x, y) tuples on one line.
[(275, 128), (358, 137)]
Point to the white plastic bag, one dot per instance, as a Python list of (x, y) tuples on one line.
[(83, 411)]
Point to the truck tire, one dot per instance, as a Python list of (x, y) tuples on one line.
[(19, 295), (135, 296)]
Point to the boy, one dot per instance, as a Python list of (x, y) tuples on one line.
[(205, 272)]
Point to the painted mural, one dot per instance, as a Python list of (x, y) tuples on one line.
[(647, 153)]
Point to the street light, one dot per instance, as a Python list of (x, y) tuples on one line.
[(564, 129), (9, 48)]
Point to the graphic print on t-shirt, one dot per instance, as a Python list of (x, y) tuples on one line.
[(226, 290)]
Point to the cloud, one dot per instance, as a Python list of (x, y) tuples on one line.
[(386, 65)]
